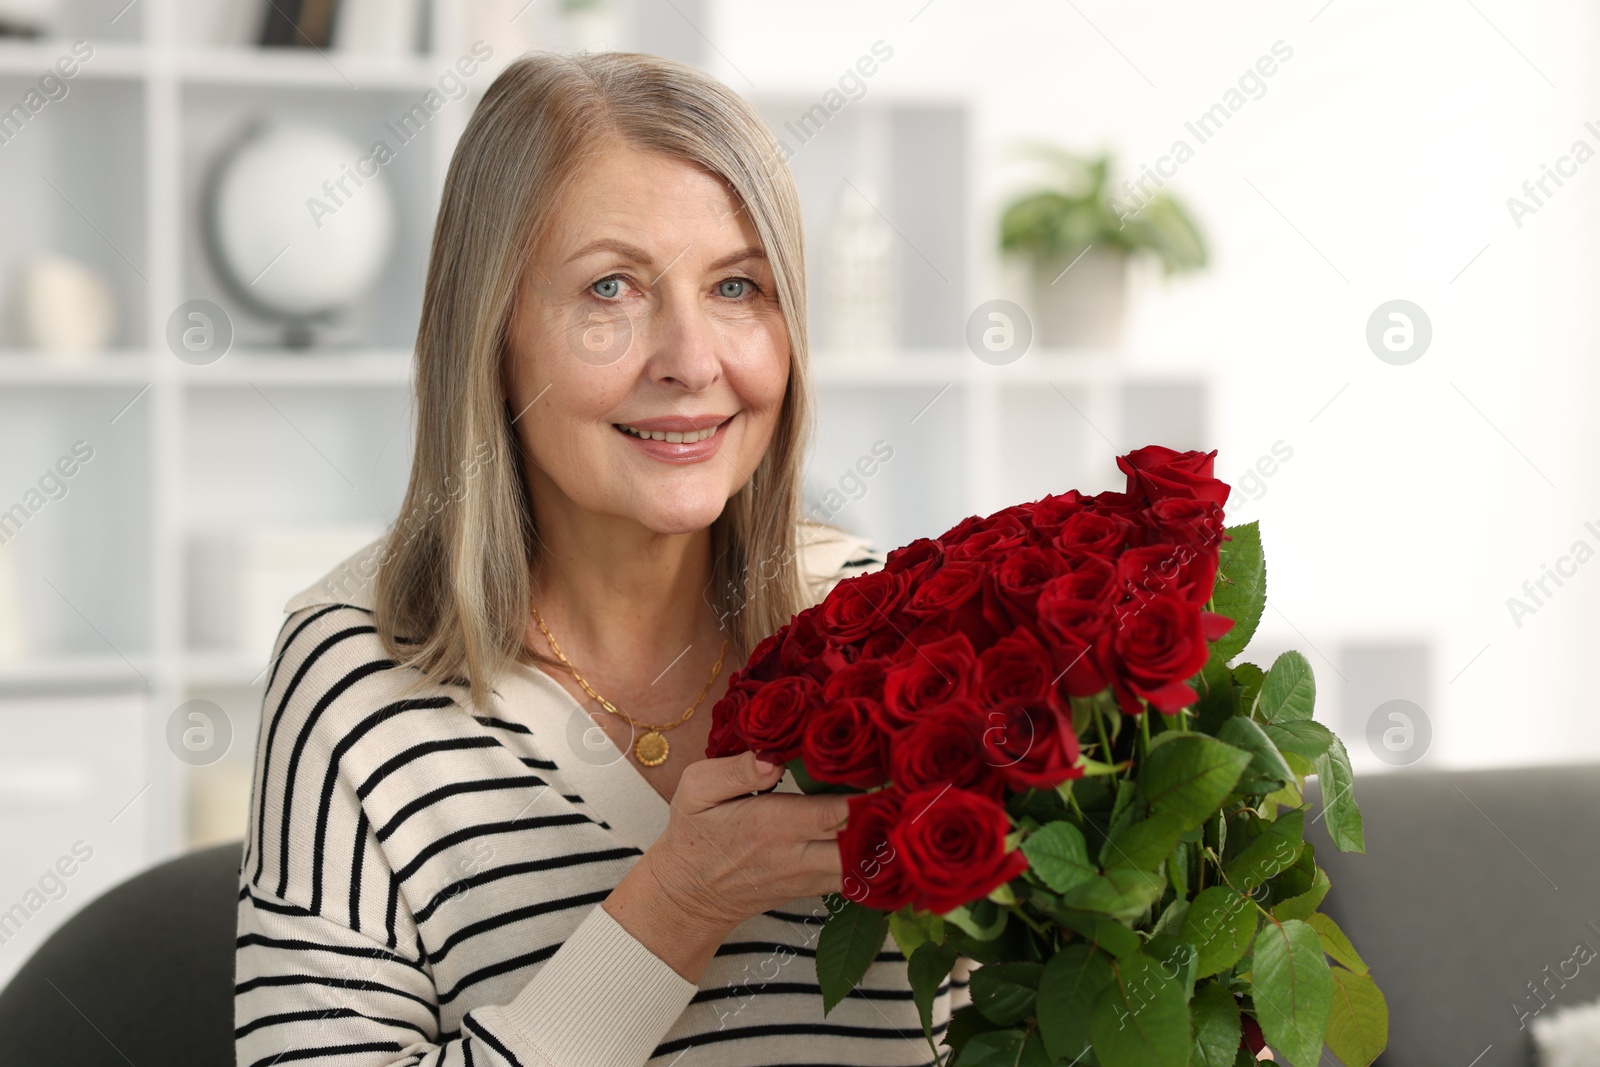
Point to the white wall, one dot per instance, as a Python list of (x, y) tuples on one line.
[(1423, 497)]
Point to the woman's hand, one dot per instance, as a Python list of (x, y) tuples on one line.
[(727, 855)]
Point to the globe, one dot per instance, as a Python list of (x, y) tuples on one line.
[(300, 219)]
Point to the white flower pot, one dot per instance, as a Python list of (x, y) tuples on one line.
[(1087, 306)]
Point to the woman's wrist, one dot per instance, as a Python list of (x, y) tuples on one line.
[(645, 904)]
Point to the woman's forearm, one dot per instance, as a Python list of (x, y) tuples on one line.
[(643, 905)]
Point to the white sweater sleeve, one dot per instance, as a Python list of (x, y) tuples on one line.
[(313, 982), (309, 987)]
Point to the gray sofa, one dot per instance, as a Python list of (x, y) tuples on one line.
[(1475, 890)]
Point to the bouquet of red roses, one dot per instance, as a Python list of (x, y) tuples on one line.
[(1135, 887)]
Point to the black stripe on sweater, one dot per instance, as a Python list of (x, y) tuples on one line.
[(509, 870), (331, 776), (332, 693)]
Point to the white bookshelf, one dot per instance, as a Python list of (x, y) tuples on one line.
[(323, 436)]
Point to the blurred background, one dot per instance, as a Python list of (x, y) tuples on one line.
[(1349, 245)]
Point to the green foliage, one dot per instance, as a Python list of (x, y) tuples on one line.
[(851, 939), (1358, 1026), (1081, 207), (1169, 890), (1241, 592), (1292, 989)]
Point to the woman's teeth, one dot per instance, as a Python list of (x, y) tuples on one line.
[(672, 436)]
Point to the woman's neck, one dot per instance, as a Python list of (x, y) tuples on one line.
[(622, 597)]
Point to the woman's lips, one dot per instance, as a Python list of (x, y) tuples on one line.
[(679, 451)]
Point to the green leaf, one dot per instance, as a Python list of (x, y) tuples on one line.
[(850, 940), (1145, 844), (1241, 590), (983, 920), (1005, 1048), (1214, 1014), (1345, 827), (1171, 920), (1300, 738), (1072, 981), (1335, 943), (1266, 772), (1358, 1025), (912, 930), (1274, 850), (1304, 905), (1247, 678), (1058, 854), (1289, 692), (1110, 935), (1121, 892), (1292, 989), (1177, 958), (926, 968), (966, 1023), (1141, 1019), (1005, 992), (1190, 775), (809, 784), (1178, 868), (1220, 925)]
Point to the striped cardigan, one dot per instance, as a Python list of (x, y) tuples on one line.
[(421, 881)]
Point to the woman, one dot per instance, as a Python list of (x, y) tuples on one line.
[(483, 829)]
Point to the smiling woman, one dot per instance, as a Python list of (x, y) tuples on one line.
[(483, 828)]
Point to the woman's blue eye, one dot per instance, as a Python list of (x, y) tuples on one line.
[(607, 281), (739, 282)]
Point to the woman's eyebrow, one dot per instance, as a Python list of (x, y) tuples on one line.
[(639, 255)]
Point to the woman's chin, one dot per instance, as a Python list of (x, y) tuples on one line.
[(680, 515)]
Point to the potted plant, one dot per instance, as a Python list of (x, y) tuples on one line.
[(1078, 234)]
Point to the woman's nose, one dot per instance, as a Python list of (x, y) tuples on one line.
[(685, 342)]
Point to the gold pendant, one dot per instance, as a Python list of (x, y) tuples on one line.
[(651, 749)]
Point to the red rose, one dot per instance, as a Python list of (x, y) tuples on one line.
[(937, 672), (951, 588), (857, 606), (725, 739), (944, 746), (884, 644), (764, 663), (805, 648), (954, 843), (988, 544), (1051, 511), (1031, 745), (1015, 668), (1163, 569), (842, 744), (953, 597), (1019, 578), (875, 874), (1157, 649), (1155, 472), (1078, 627), (773, 720), (959, 532), (1094, 532), (916, 560), (863, 678), (1250, 1035), (1185, 521), (1125, 505)]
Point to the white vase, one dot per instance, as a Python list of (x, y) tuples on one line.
[(67, 308), (1087, 306)]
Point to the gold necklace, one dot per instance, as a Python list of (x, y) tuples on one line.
[(650, 748)]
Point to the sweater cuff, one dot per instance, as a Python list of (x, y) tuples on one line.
[(603, 999)]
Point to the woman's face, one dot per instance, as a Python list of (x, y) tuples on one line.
[(650, 305)]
